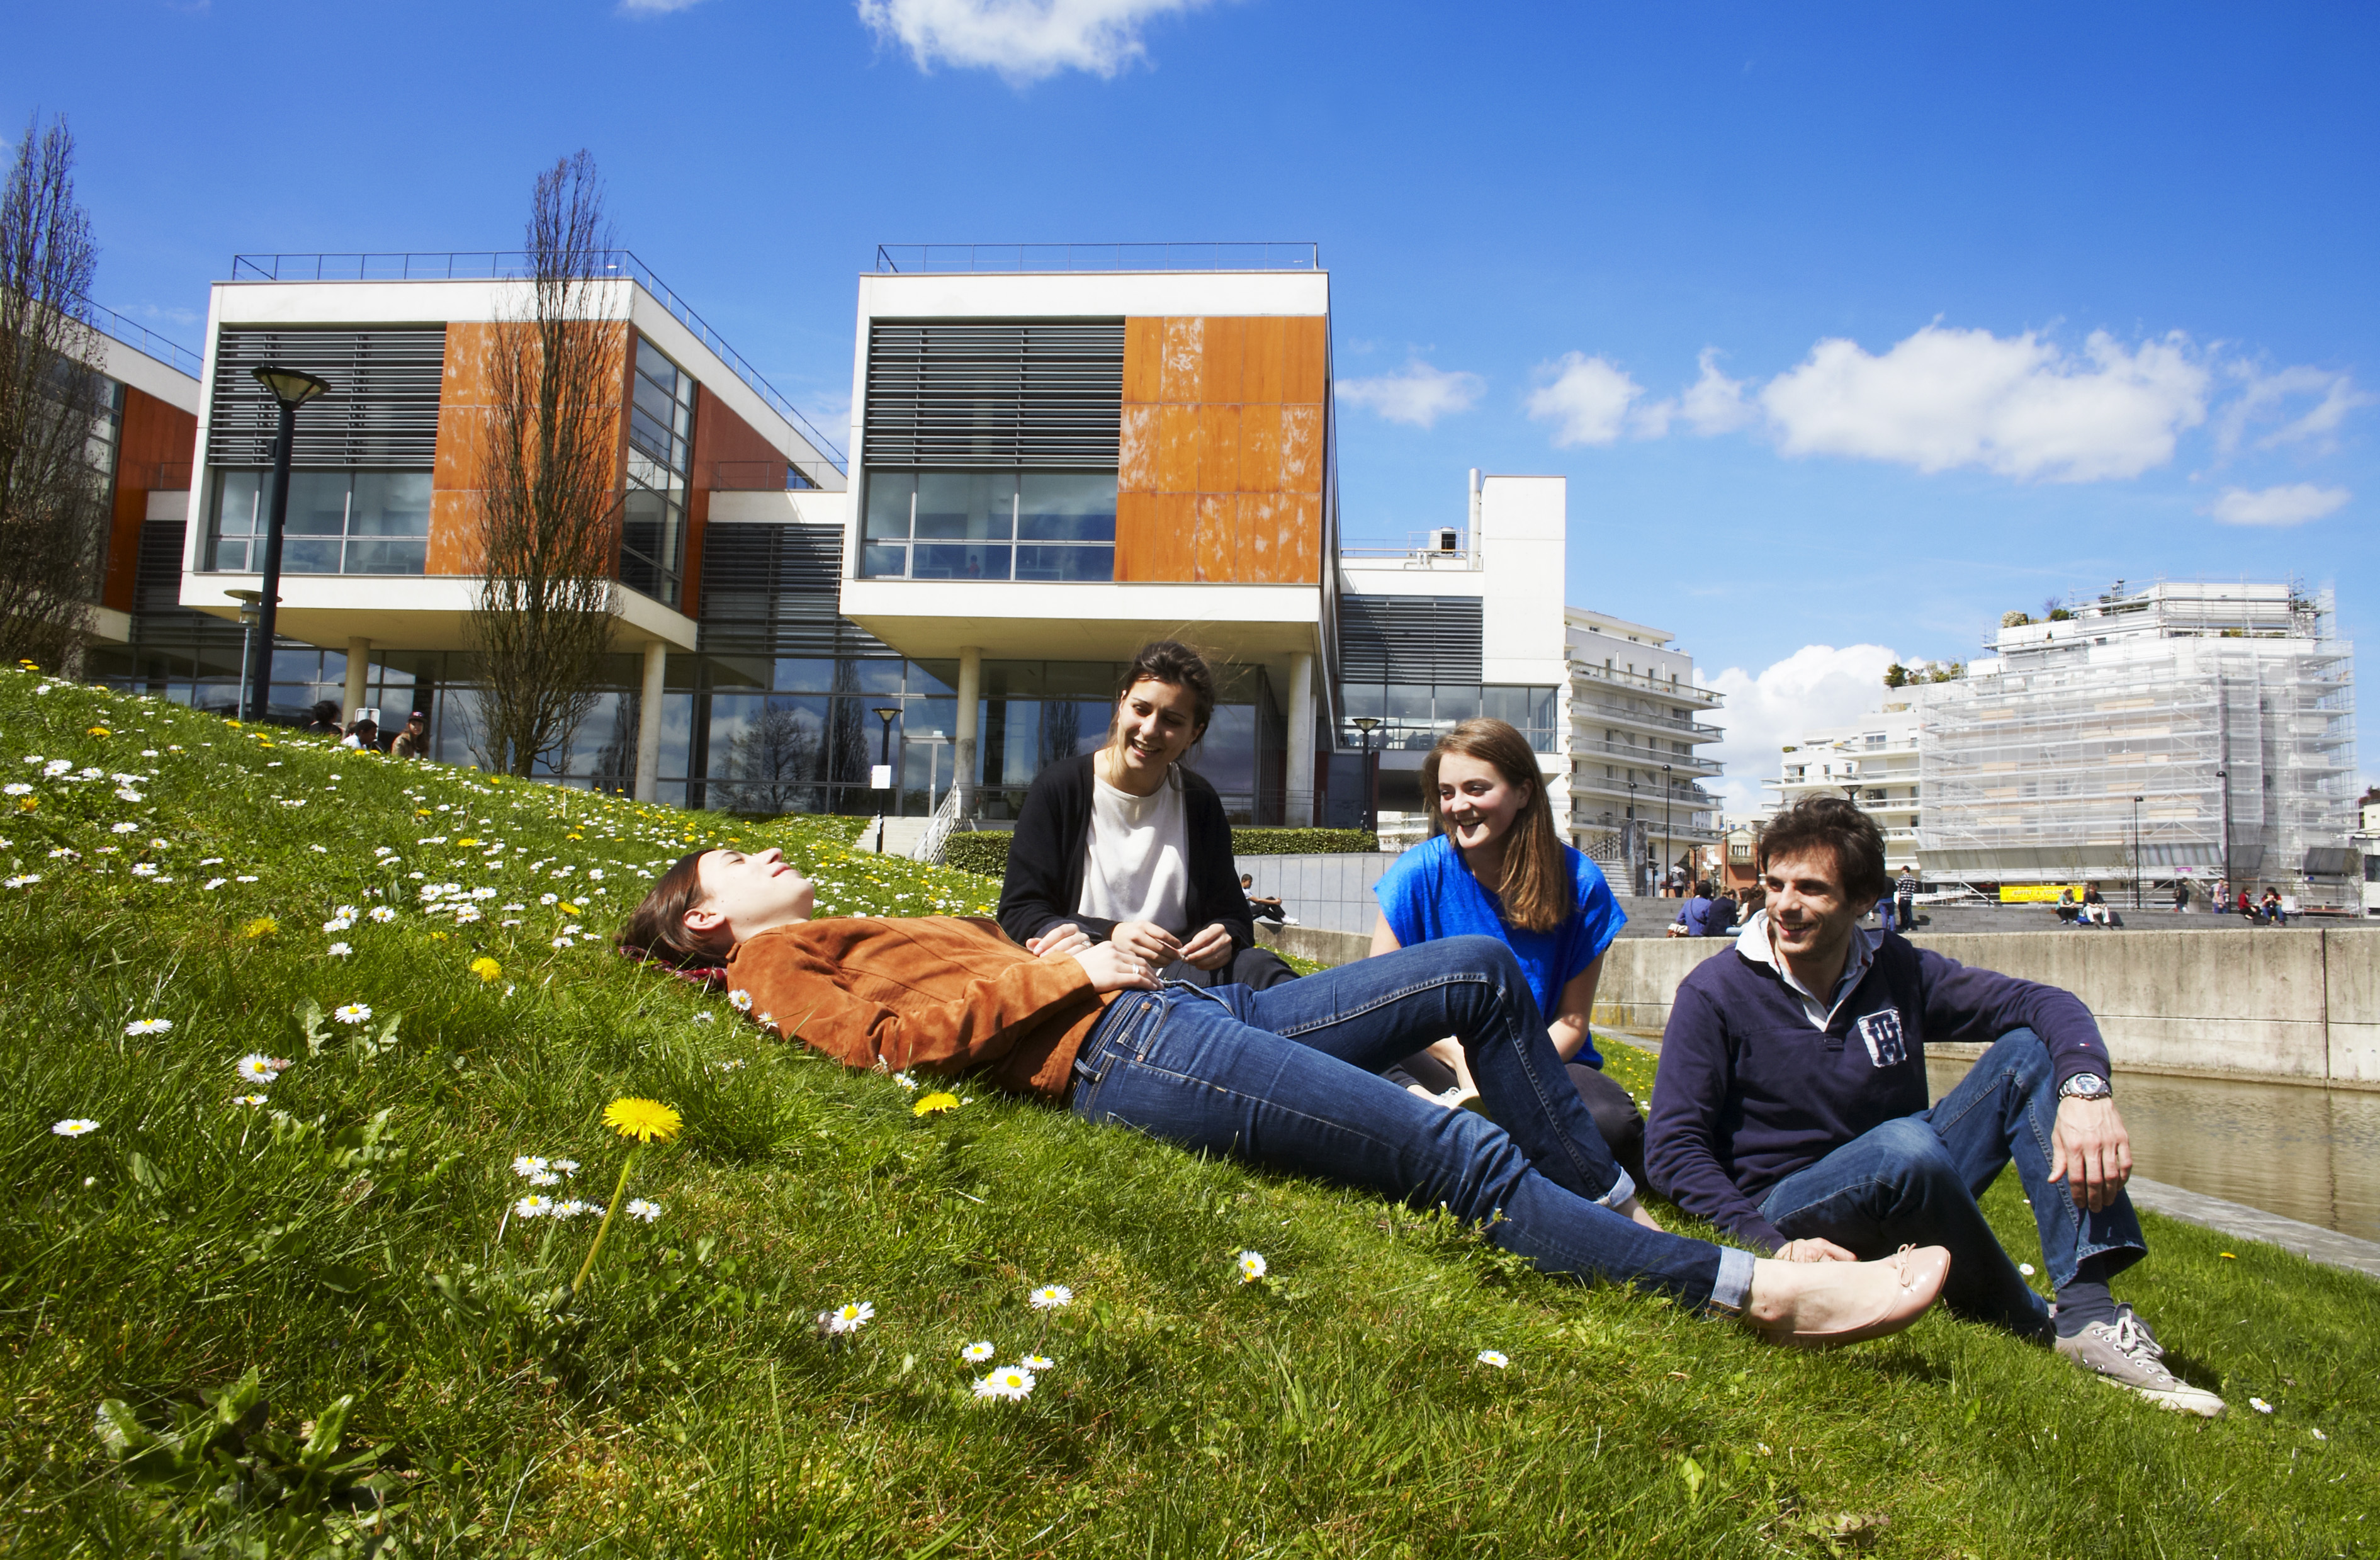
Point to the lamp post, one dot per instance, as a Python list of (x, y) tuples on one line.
[(2136, 854), (888, 713), (1367, 725), (248, 610), (293, 388), (1628, 836), (1669, 838)]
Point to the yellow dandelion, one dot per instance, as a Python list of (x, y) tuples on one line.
[(567, 909), (263, 926), (935, 1105), (648, 1121), (96, 731), (487, 969)]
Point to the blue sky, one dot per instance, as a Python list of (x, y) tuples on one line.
[(1852, 326)]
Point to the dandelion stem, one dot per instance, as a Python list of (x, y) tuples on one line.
[(611, 1211)]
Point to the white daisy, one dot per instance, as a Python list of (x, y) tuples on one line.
[(257, 1068), (1036, 1362), (250, 1100), (214, 884), (641, 1209), (569, 1208), (144, 869), (1251, 1265), (352, 1013), (703, 1018), (149, 1026), (1494, 1357), (1011, 1383), (904, 1081), (124, 829), (17, 788), (2260, 1405), (74, 1127), (338, 950), (1051, 1296), (533, 1207), (975, 1353), (850, 1318), (563, 942), (549, 898), (338, 923), (382, 913), (527, 1164), (24, 879), (544, 1178)]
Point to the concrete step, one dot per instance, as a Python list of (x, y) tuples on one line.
[(901, 834)]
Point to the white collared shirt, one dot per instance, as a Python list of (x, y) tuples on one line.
[(1753, 943)]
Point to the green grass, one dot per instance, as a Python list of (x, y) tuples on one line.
[(343, 1241)]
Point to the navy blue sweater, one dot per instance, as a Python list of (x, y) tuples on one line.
[(1750, 1090)]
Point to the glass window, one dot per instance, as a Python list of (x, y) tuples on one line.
[(1068, 517), (1066, 506), (966, 505), (957, 561), (889, 494), (338, 522), (1096, 563), (660, 439)]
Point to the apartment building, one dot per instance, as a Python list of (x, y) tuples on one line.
[(148, 424), (1874, 762), (1634, 721)]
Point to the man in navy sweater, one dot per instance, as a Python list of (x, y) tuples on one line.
[(1791, 1106)]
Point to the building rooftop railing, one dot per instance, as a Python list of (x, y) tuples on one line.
[(1683, 691), (137, 336), (487, 266), (910, 258)]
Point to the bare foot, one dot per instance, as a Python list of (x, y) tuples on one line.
[(1819, 1305), (1638, 1211)]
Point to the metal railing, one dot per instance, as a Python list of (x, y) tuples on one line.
[(908, 258), (1687, 692), (1652, 758), (495, 266), (137, 336), (938, 827)]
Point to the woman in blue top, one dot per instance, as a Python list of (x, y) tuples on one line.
[(1494, 865)]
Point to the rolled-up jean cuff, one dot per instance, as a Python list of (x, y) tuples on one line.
[(1621, 1190), (1731, 1290)]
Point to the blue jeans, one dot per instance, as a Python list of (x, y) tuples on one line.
[(1286, 1079), (1916, 1180), (1884, 913)]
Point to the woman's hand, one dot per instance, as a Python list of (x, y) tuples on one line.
[(1115, 969), (1211, 949), (1059, 941), (1149, 942)]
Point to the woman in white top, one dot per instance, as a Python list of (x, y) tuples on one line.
[(1127, 844)]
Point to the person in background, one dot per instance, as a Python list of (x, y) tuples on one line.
[(1266, 908), (2269, 908), (1494, 866), (2181, 896), (2094, 906), (1885, 911), (2247, 911), (1790, 1107), (1693, 921), (1904, 898), (1131, 846), (325, 721), (364, 733), (413, 742), (1723, 911)]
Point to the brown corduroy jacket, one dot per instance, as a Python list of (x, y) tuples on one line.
[(943, 995)]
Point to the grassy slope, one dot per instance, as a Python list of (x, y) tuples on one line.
[(687, 1404)]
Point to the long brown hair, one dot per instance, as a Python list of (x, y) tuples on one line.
[(1537, 891), (657, 930), (1176, 665)]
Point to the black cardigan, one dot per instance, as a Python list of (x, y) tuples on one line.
[(1044, 881)]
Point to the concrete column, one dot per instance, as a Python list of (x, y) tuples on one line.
[(970, 695), (359, 660), (648, 721), (1299, 780)]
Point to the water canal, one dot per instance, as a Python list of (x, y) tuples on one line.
[(2312, 1154)]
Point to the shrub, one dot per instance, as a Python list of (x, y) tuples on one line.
[(1302, 842), (985, 853)]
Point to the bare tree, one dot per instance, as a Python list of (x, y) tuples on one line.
[(53, 497), (551, 483), (775, 763)]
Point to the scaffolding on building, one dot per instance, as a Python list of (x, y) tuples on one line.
[(2179, 731)]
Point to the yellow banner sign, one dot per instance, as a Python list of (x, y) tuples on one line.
[(2037, 893)]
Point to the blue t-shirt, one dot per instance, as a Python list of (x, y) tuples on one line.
[(1429, 893)]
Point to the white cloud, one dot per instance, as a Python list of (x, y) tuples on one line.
[(1416, 394), (2015, 405), (1816, 686), (1714, 403), (1588, 398), (1023, 40), (2290, 506), (2267, 397)]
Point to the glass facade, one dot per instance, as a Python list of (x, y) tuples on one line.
[(1415, 715), (1043, 526), (660, 459), (339, 522)]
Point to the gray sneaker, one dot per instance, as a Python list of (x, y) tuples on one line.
[(2124, 1354)]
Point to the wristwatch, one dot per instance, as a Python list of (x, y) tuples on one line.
[(2085, 1086)]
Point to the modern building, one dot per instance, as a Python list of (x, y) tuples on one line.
[(1873, 762), (1635, 710), (147, 425)]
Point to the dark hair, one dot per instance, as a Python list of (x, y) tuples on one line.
[(1836, 826), (1537, 892), (1176, 665), (657, 930), (365, 731)]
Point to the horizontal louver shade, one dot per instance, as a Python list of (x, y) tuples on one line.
[(1409, 638), (382, 410), (774, 589), (1001, 396)]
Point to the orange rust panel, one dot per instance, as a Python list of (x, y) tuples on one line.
[(1177, 450), (1254, 518), (457, 539), (1143, 362), (1260, 368), (1259, 449), (1300, 449), (1217, 556), (156, 444), (1299, 558), (1136, 449), (721, 439), (1162, 532), (1218, 454), (1226, 345), (1306, 359), (1186, 358)]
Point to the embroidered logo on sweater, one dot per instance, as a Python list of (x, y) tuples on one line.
[(1885, 1046)]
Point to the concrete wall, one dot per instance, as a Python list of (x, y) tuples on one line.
[(1331, 892), (2294, 1006)]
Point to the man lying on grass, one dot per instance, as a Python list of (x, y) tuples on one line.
[(1791, 1106), (1282, 1078)]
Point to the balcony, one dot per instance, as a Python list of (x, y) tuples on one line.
[(1645, 758), (1677, 829), (1684, 693), (1592, 713), (1648, 794)]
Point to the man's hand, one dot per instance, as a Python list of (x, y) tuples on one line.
[(1632, 1209), (1059, 941), (2091, 1151), (1115, 969), (1146, 940), (1813, 1250), (1210, 949)]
